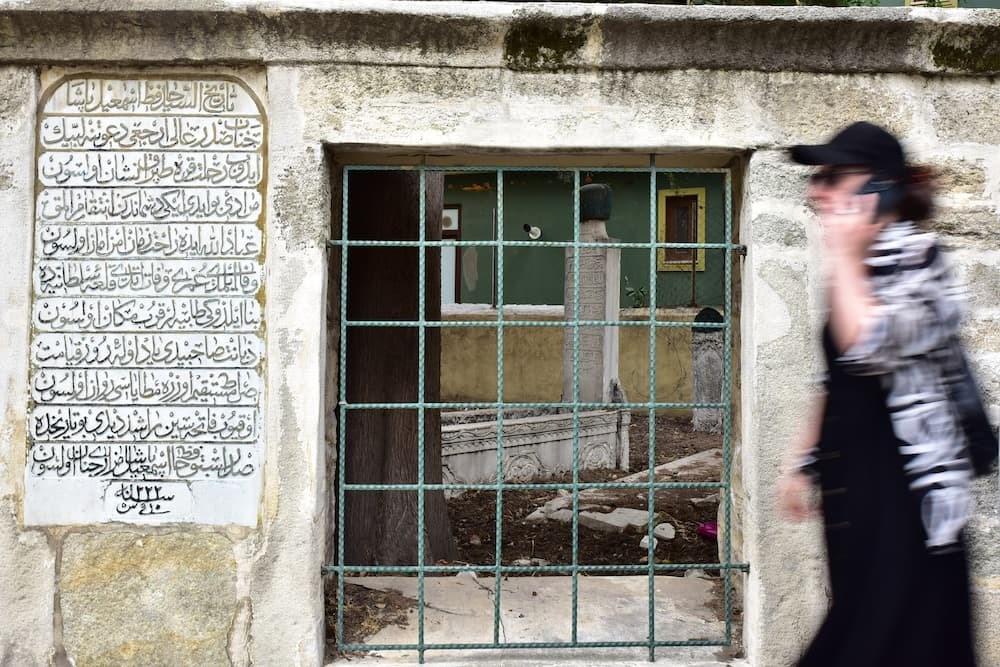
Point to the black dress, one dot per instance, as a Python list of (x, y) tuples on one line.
[(893, 603)]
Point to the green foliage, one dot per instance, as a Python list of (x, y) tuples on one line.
[(638, 295)]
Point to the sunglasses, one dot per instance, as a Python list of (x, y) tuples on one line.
[(829, 178)]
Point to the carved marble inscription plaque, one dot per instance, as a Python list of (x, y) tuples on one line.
[(147, 345)]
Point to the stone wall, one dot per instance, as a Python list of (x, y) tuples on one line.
[(177, 592), (720, 85)]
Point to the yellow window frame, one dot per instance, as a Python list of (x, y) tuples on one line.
[(662, 263)]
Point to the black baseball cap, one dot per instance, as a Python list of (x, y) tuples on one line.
[(860, 143)]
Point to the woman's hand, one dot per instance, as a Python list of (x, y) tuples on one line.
[(849, 228), (849, 224), (796, 496)]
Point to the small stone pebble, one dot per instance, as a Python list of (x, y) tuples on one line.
[(664, 531)]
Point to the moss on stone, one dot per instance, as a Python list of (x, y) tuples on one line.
[(974, 51), (543, 42)]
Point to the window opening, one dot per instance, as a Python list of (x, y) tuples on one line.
[(451, 261), (672, 225)]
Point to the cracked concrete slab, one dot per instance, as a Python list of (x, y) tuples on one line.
[(538, 609)]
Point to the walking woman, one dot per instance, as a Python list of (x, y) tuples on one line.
[(885, 446)]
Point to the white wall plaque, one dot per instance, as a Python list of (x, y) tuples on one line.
[(147, 348)]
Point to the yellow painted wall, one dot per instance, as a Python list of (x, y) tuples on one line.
[(533, 358)]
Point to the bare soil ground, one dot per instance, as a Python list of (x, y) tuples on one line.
[(473, 515)]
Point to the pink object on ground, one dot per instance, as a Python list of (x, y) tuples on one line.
[(709, 529)]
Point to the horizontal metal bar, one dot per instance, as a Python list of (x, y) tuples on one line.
[(563, 168), (513, 406), (525, 569), (541, 486), (536, 323), (505, 645), (447, 243)]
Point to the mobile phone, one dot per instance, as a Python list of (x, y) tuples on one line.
[(890, 194)]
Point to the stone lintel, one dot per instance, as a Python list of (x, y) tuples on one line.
[(506, 35)]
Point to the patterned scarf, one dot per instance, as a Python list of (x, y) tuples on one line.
[(911, 341)]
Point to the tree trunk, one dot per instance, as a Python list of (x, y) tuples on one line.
[(381, 445)]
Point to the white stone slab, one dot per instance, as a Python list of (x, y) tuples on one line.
[(147, 353), (97, 502), (618, 520), (112, 423), (147, 350), (148, 277), (135, 204), (151, 241), (236, 314), (201, 386), (538, 609), (128, 168), (155, 95), (151, 133)]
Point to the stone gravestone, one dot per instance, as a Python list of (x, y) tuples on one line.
[(707, 370), (147, 347), (599, 285)]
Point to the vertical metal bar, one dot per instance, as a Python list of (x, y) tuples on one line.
[(576, 396), (500, 463), (421, 344), (694, 260), (727, 410), (651, 423), (493, 258), (342, 396)]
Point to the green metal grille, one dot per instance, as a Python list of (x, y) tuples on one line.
[(651, 568)]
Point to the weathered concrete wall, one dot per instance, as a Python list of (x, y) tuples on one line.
[(781, 281), (108, 594), (779, 312), (485, 78), (28, 586), (533, 363)]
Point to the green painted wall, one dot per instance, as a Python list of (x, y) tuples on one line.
[(476, 194), (545, 200)]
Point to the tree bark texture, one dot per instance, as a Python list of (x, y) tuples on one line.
[(382, 367)]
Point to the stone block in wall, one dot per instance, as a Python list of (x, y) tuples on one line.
[(966, 177), (986, 609), (983, 545), (967, 225), (775, 176), (981, 276), (134, 599), (27, 576), (781, 227), (982, 334), (966, 112), (778, 325), (986, 366), (809, 108), (983, 531)]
